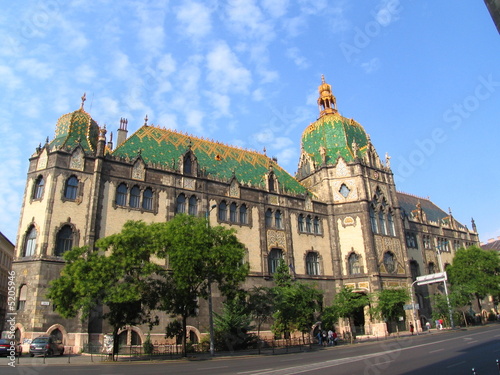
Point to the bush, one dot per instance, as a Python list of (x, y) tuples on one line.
[(148, 345)]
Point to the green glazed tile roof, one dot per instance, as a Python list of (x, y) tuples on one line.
[(336, 135), (409, 203), (76, 128), (166, 147)]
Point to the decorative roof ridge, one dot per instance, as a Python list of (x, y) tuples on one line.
[(415, 196)]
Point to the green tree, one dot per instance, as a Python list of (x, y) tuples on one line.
[(390, 304), (476, 272), (261, 306), (120, 277), (197, 256), (346, 304)]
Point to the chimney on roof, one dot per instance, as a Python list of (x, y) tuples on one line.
[(122, 132)]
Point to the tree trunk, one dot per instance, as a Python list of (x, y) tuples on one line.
[(184, 333), (480, 308), (116, 346)]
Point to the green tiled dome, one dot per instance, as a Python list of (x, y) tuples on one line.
[(166, 148), (334, 136), (76, 128)]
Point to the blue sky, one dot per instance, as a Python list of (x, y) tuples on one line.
[(422, 78)]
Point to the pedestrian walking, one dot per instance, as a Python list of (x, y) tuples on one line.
[(411, 329)]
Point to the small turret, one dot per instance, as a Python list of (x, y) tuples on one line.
[(122, 132)]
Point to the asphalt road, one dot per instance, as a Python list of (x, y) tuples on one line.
[(453, 352)]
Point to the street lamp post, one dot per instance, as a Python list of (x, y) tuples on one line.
[(438, 249), (413, 307), (210, 305)]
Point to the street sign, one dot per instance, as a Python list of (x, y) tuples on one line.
[(410, 306), (432, 278)]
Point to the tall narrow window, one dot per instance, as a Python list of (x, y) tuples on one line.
[(64, 240), (181, 204), (390, 222), (414, 269), (30, 244), (269, 218), (223, 211), (147, 199), (312, 263), (188, 165), (38, 188), (232, 213), (301, 223), (373, 220), (21, 299), (273, 260), (432, 268), (381, 219), (354, 266), (193, 205), (308, 224), (121, 195), (243, 214), (71, 188), (135, 197), (316, 225), (271, 182), (278, 220)]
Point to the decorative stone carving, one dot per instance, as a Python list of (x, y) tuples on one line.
[(139, 170), (276, 238), (189, 183), (42, 160), (77, 160), (234, 189)]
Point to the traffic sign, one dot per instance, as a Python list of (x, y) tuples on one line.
[(432, 278)]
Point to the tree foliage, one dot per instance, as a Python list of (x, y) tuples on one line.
[(476, 272), (390, 304), (120, 277)]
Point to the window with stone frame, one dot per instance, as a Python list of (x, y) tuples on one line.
[(427, 241), (181, 204), (373, 220), (316, 225), (21, 299), (243, 214), (432, 268), (389, 262), (312, 263), (121, 195), (308, 224), (382, 224), (390, 224), (300, 221), (64, 240), (193, 205), (38, 188), (135, 197), (223, 211), (147, 199), (71, 188), (273, 260), (414, 269), (188, 165), (233, 214), (354, 264), (411, 240), (278, 220), (30, 242), (269, 218)]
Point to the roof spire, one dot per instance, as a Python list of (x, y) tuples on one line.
[(84, 97), (326, 102), (146, 120)]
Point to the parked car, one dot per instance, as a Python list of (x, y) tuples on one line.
[(5, 346), (46, 345)]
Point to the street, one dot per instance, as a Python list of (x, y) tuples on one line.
[(449, 352)]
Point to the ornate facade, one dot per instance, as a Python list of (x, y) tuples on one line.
[(339, 221)]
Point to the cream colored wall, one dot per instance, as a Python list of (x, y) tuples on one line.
[(302, 243), (351, 237)]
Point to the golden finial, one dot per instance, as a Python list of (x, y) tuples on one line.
[(84, 97), (323, 78)]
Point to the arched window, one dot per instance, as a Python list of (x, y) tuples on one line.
[(312, 263), (147, 199), (316, 225), (21, 299), (193, 205), (188, 165), (273, 260), (135, 197), (30, 242), (381, 219), (135, 338), (390, 221), (373, 220), (301, 223), (354, 266), (432, 268), (223, 211), (64, 240), (71, 188), (232, 213), (243, 214), (38, 188), (121, 195), (308, 224), (271, 182), (181, 204), (389, 262), (269, 218), (278, 220)]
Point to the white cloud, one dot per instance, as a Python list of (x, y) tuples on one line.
[(194, 119), (85, 74), (220, 102), (295, 26), (195, 19), (276, 8), (266, 136), (225, 71), (35, 68), (295, 55), (166, 64), (246, 18), (8, 78)]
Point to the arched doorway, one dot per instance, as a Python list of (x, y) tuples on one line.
[(358, 321)]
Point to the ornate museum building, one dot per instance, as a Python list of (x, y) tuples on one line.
[(338, 221)]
